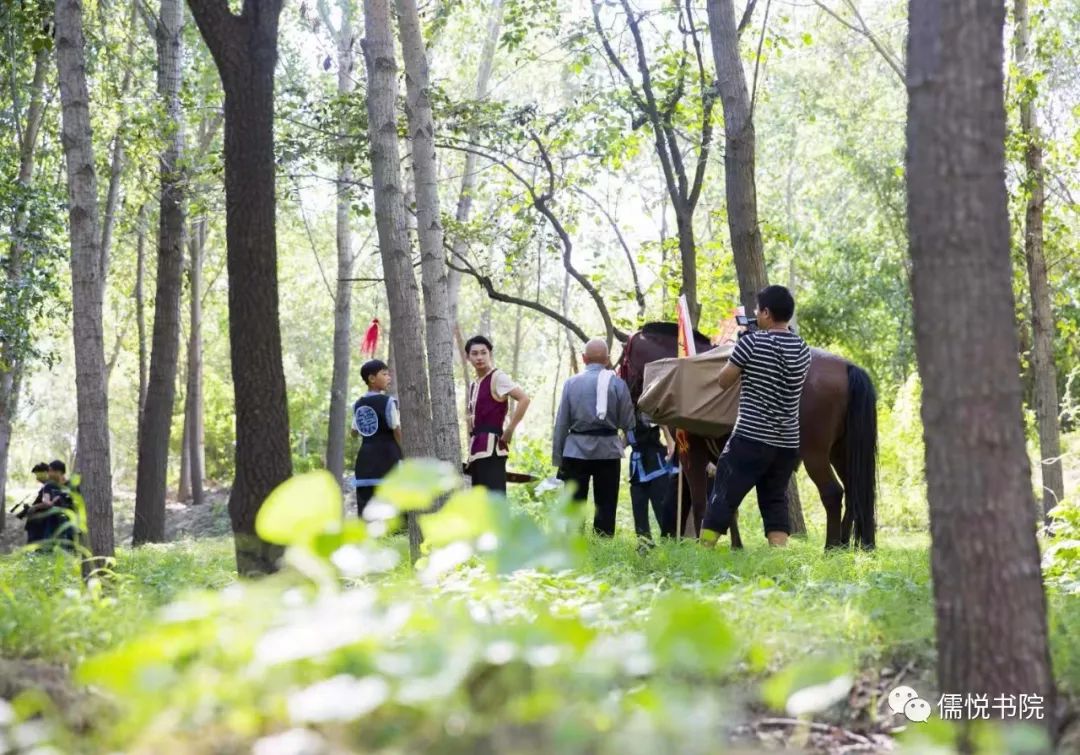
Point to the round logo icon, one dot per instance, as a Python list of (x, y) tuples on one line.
[(367, 421)]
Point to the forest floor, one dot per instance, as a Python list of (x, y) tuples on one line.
[(872, 613)]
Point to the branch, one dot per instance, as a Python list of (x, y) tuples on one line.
[(614, 58), (216, 23), (324, 15), (541, 204), (757, 59), (708, 100), (746, 16), (495, 295), (863, 30), (639, 296)]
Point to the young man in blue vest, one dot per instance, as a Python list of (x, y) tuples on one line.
[(377, 420)]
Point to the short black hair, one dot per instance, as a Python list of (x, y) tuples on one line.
[(57, 466), (478, 341), (371, 368), (40, 467), (778, 300)]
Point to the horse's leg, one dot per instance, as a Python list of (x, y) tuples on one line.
[(736, 539), (839, 462), (696, 478), (832, 494)]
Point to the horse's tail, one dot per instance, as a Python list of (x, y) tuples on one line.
[(860, 487)]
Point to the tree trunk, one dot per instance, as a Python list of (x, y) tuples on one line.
[(95, 473), (183, 488), (740, 188), (12, 353), (684, 220), (193, 410), (140, 307), (339, 386), (468, 178), (1042, 315), (401, 291), (988, 592), (151, 481), (437, 330), (245, 50)]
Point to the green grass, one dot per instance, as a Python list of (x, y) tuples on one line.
[(46, 613)]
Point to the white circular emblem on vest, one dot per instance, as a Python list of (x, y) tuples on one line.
[(367, 421)]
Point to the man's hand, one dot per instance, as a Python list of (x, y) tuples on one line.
[(508, 435)]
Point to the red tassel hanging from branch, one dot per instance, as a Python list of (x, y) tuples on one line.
[(371, 339)]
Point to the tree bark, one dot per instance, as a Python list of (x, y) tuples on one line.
[(140, 306), (94, 468), (245, 50), (151, 481), (346, 256), (401, 291), (739, 184), (437, 330), (13, 353), (988, 591), (193, 409), (468, 179), (1042, 314), (739, 143)]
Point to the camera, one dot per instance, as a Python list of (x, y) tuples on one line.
[(746, 322)]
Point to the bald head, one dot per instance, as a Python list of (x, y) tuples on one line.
[(596, 352)]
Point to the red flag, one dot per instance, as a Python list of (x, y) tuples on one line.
[(371, 339), (687, 347)]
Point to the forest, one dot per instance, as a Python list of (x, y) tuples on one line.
[(224, 222)]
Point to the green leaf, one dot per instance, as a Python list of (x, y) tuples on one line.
[(466, 516), (300, 508), (416, 483), (818, 682), (687, 634)]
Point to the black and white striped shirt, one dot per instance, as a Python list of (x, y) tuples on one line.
[(774, 364)]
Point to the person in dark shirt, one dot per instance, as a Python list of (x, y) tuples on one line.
[(376, 418), (763, 450), (56, 498), (34, 513)]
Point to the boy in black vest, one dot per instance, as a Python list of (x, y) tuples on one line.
[(376, 419)]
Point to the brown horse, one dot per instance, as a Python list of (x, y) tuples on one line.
[(838, 431)]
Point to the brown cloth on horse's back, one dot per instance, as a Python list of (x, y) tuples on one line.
[(683, 393)]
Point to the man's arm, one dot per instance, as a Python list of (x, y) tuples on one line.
[(397, 436), (729, 375), (625, 417), (522, 400), (562, 429)]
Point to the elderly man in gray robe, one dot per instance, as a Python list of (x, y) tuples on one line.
[(586, 446)]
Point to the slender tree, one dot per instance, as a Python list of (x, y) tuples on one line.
[(1042, 315), (406, 333), (193, 404), (440, 343), (13, 351), (982, 514), (156, 419), (91, 389), (244, 48), (346, 255)]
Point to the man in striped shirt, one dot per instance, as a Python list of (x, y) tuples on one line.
[(763, 450)]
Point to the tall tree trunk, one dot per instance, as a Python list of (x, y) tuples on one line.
[(245, 50), (684, 223), (140, 306), (438, 333), (739, 183), (193, 410), (183, 488), (1042, 315), (116, 163), (982, 515), (468, 178), (153, 464), (12, 353), (740, 188), (339, 386), (401, 291), (91, 390)]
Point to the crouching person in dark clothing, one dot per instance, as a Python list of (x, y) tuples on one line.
[(763, 450)]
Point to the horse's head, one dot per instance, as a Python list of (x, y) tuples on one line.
[(655, 340)]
